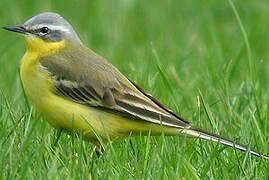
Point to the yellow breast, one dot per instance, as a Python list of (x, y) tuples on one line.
[(36, 80)]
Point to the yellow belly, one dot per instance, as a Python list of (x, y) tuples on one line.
[(71, 116)]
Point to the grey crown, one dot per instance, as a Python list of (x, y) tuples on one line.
[(59, 28)]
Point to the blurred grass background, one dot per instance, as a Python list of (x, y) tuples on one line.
[(204, 76)]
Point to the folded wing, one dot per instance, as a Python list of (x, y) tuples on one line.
[(86, 78)]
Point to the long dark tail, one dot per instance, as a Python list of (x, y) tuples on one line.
[(197, 132)]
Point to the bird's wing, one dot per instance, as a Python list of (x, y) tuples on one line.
[(86, 78)]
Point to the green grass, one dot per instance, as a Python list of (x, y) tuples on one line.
[(206, 60)]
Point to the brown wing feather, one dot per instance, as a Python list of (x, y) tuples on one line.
[(158, 102)]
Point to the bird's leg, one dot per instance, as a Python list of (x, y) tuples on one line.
[(98, 150)]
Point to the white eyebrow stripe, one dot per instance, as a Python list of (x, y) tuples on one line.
[(52, 27)]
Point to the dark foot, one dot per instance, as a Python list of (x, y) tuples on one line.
[(98, 150)]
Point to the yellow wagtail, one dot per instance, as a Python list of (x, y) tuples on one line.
[(76, 89)]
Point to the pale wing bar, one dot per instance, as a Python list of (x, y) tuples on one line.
[(158, 103), (88, 96)]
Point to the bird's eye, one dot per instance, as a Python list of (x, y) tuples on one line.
[(44, 30)]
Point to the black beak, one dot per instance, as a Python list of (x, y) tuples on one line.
[(19, 29)]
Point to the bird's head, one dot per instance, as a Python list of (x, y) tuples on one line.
[(46, 29)]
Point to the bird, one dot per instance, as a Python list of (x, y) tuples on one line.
[(77, 90)]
